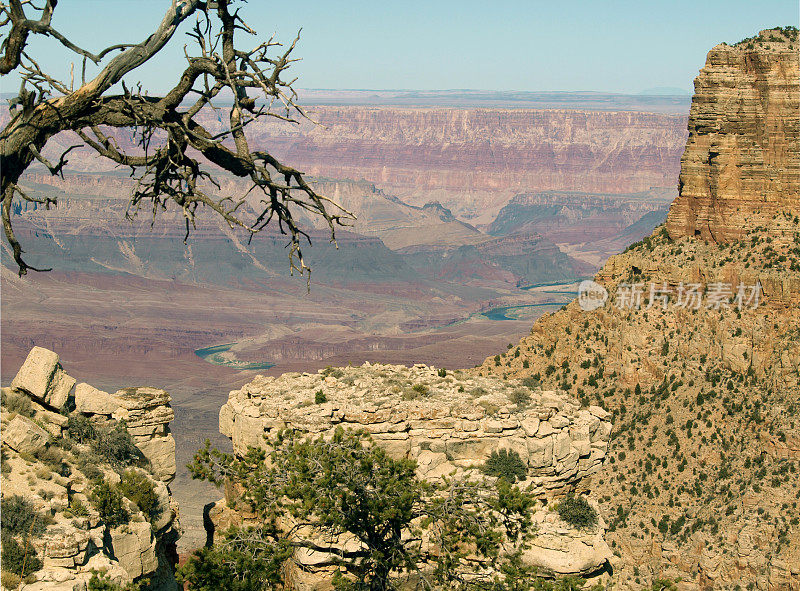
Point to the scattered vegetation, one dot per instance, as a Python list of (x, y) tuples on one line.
[(349, 486), (258, 558), (20, 517), (137, 487), (506, 464), (577, 512), (16, 403), (114, 443), (18, 558), (101, 582), (107, 500)]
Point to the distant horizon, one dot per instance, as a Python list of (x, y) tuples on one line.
[(656, 101), (617, 46)]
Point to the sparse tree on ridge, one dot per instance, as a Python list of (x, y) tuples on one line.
[(176, 158)]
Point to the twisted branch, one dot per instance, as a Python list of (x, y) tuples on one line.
[(176, 159)]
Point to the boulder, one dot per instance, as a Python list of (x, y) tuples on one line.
[(160, 451), (60, 387), (25, 436), (579, 556), (90, 400), (133, 547), (35, 374), (141, 398)]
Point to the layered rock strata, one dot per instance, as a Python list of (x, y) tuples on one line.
[(450, 425), (42, 464), (741, 164)]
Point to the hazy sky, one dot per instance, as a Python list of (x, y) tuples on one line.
[(602, 45)]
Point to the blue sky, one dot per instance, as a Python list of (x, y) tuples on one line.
[(534, 45)]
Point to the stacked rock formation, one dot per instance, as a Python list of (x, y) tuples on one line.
[(450, 424), (741, 164), (42, 465)]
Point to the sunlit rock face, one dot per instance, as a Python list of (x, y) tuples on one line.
[(741, 165), (56, 472)]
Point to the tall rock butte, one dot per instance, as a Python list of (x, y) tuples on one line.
[(742, 160)]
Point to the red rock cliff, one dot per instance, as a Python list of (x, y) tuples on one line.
[(741, 165)]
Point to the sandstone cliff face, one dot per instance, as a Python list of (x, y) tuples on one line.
[(486, 148), (741, 164), (450, 425), (56, 471)]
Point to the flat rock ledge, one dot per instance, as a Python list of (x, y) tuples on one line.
[(450, 423)]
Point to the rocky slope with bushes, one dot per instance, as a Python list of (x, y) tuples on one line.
[(85, 497), (696, 351)]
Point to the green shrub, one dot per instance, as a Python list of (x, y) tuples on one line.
[(442, 372), (577, 512), (108, 502), (80, 428), (420, 388), (319, 397), (77, 508), (87, 463), (117, 446), (520, 397), (220, 567), (333, 372), (18, 403), (20, 559), (21, 517), (506, 464), (531, 382), (139, 489), (114, 444), (101, 582), (10, 580), (53, 458), (5, 465)]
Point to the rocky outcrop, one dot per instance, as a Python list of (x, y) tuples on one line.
[(450, 424), (42, 377), (54, 462), (147, 414), (25, 436), (741, 164)]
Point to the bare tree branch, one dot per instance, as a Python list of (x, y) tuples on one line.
[(176, 160)]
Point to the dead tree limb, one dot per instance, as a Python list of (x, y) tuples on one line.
[(176, 160)]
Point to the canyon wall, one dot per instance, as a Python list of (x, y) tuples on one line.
[(702, 481), (424, 154), (741, 164)]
